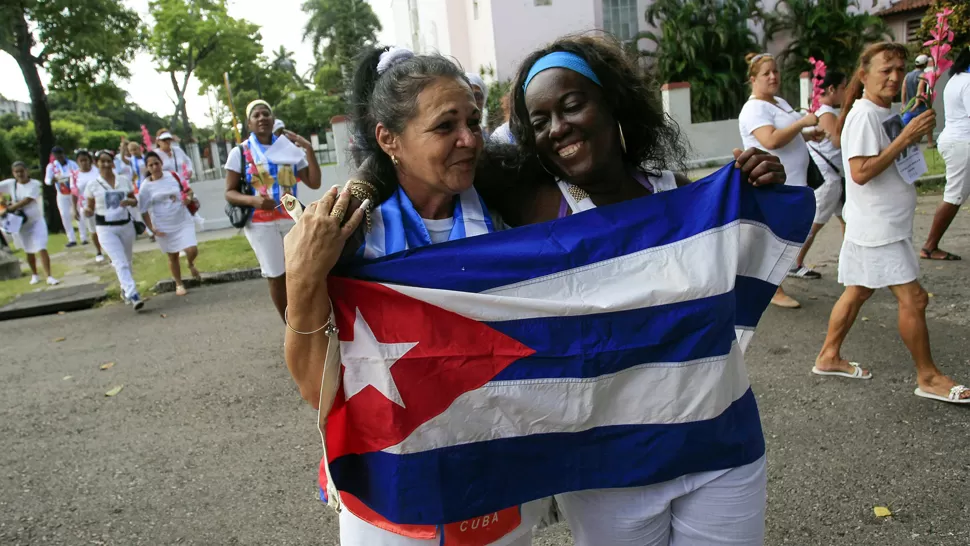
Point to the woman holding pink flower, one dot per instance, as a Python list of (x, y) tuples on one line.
[(266, 183)]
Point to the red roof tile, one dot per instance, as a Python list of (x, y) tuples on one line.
[(905, 5)]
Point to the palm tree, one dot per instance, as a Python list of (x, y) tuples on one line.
[(339, 29), (824, 29), (704, 42)]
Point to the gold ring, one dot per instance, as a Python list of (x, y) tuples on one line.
[(337, 212)]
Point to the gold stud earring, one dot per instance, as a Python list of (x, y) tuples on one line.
[(622, 140)]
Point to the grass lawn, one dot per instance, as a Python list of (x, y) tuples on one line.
[(152, 266), (934, 161), (13, 288)]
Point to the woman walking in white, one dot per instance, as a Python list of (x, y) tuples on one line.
[(32, 236), (59, 174), (84, 175), (954, 146), (878, 248), (265, 184), (107, 201), (828, 156), (174, 159), (767, 121), (163, 207)]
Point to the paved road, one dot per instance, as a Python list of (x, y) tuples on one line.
[(209, 444)]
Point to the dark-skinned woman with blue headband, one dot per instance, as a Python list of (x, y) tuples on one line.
[(587, 113)]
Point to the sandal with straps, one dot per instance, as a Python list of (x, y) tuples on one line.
[(927, 254), (953, 397), (856, 373)]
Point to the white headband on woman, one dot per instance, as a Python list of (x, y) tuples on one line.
[(393, 56)]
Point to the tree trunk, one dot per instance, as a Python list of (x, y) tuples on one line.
[(180, 106), (42, 118)]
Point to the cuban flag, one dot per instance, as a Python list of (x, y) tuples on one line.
[(601, 350)]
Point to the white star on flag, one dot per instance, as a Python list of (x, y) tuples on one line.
[(368, 362)]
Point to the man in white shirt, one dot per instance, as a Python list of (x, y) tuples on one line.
[(59, 174)]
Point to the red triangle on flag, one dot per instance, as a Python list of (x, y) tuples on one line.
[(451, 355)]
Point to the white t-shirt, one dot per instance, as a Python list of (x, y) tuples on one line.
[(162, 199), (83, 178), (178, 161), (19, 192), (881, 211), (107, 199), (60, 174), (956, 105), (827, 149), (439, 230), (794, 155)]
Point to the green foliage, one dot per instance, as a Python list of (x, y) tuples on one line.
[(10, 120), (959, 23), (328, 79), (835, 31), (106, 140), (67, 134), (6, 154), (496, 90), (704, 42), (91, 122), (309, 111), (198, 37), (339, 30)]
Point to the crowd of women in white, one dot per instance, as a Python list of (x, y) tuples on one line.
[(863, 150), (109, 194)]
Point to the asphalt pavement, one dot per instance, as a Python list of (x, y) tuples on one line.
[(208, 442)]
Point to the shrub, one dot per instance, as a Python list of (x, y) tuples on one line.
[(105, 140), (67, 134)]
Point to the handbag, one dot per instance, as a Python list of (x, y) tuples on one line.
[(834, 168), (193, 205), (239, 215), (814, 176)]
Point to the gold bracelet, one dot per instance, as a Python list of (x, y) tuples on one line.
[(362, 191), (366, 184), (329, 328)]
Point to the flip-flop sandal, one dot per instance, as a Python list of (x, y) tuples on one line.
[(952, 398), (857, 372), (180, 290), (947, 257)]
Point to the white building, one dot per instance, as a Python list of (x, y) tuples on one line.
[(20, 109), (498, 34)]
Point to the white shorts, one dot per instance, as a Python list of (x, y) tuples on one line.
[(266, 238), (875, 267), (357, 532), (827, 199), (32, 237), (708, 508), (956, 156)]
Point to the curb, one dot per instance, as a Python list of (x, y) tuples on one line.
[(94, 294), (219, 277)]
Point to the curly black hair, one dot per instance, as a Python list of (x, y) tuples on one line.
[(653, 139)]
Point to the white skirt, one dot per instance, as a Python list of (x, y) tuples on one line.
[(179, 239), (878, 266), (32, 237)]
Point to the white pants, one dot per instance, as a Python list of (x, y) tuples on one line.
[(704, 509), (827, 198), (65, 205), (956, 157), (266, 238), (85, 224), (117, 242)]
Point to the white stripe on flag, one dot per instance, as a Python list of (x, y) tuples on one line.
[(697, 267), (679, 392), (374, 247)]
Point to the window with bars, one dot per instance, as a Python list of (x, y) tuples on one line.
[(912, 30), (620, 18)]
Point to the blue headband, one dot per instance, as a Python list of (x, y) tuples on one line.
[(561, 59)]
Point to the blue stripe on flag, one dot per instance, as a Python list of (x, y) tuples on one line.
[(594, 345), (753, 296), (436, 486)]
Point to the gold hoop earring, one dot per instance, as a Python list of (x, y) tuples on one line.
[(622, 140), (395, 161)]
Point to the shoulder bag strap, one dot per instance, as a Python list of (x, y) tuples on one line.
[(820, 154)]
